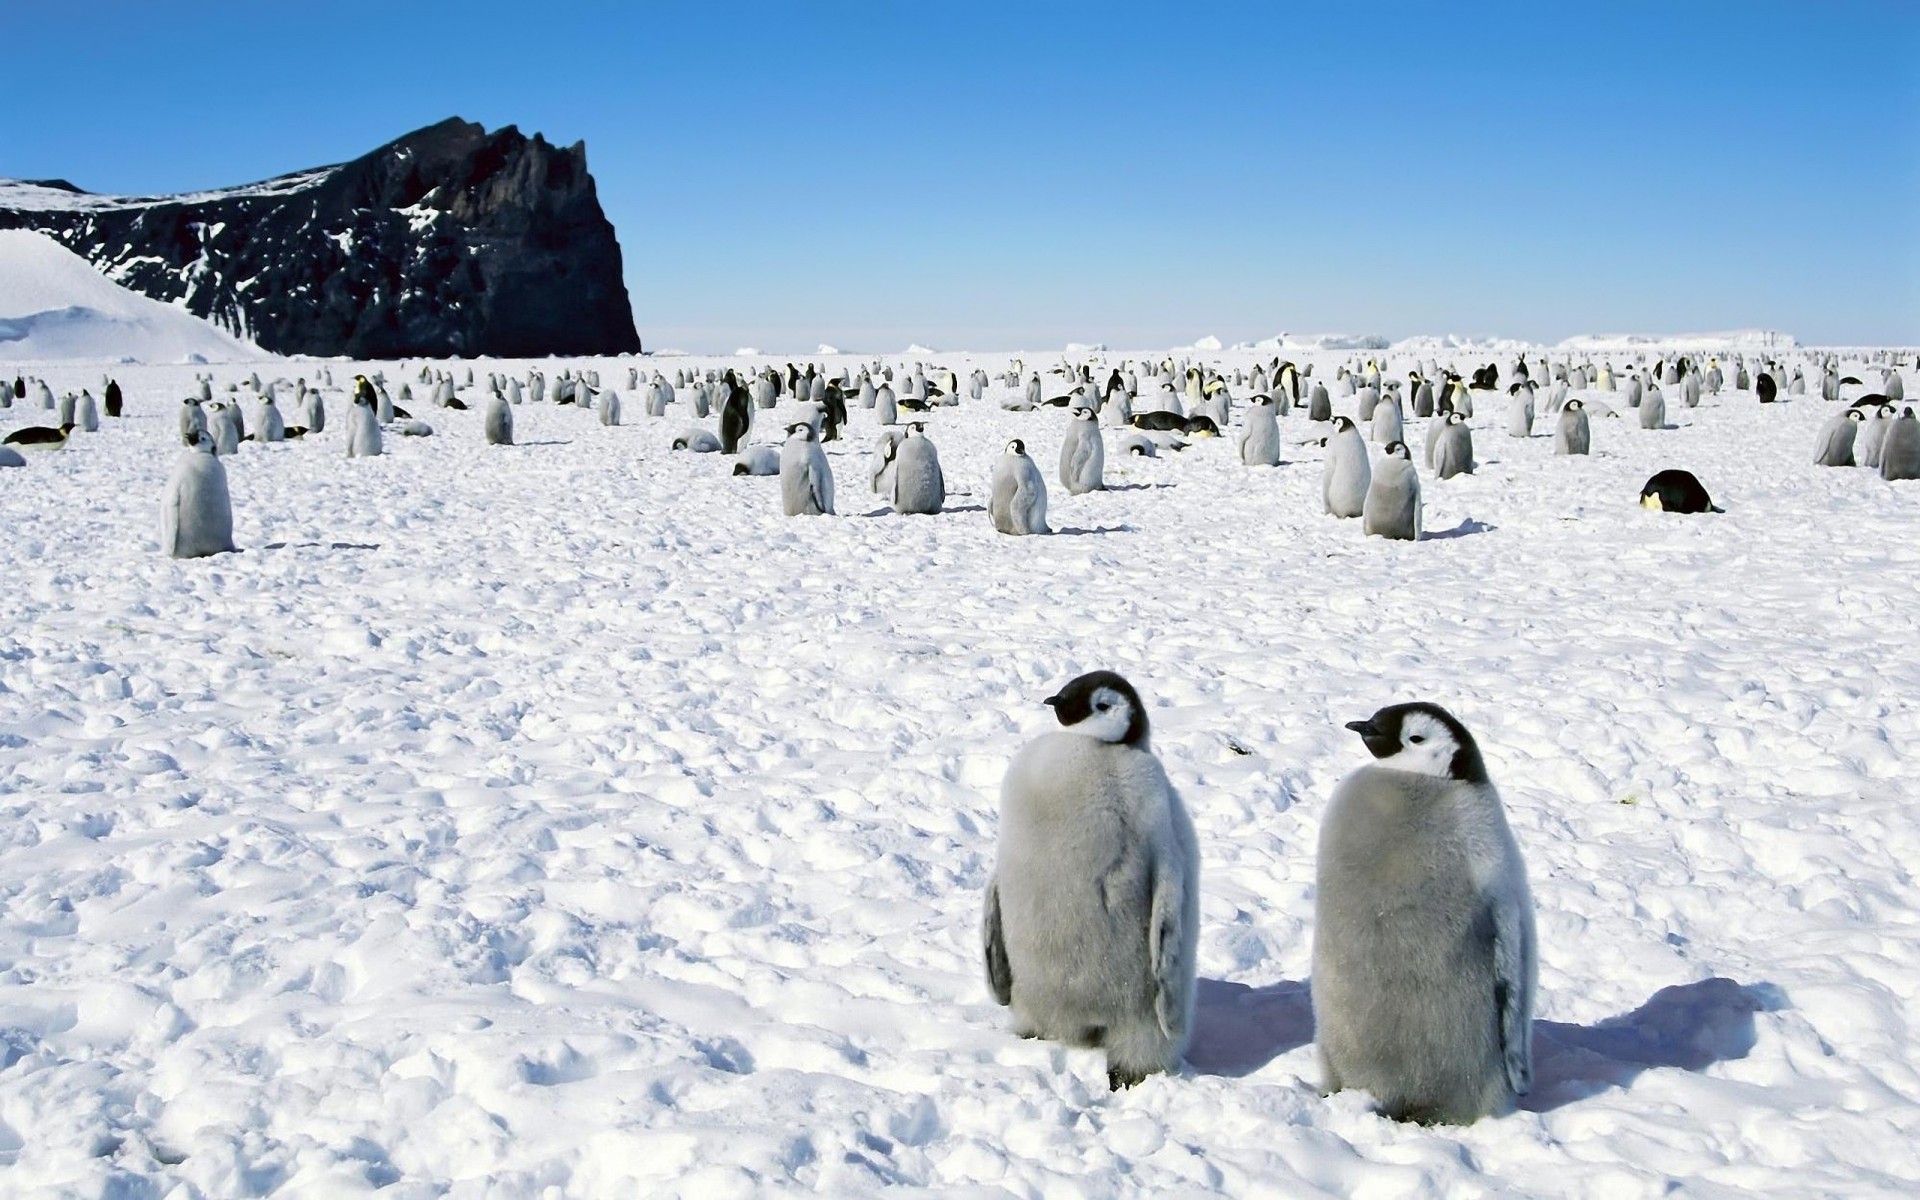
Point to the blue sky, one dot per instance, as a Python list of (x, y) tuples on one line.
[(995, 176)]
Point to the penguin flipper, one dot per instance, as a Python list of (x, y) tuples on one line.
[(999, 970), (1513, 991), (1170, 949)]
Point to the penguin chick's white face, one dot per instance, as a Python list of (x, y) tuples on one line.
[(1104, 706), (1424, 739)]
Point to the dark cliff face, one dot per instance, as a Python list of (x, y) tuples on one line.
[(450, 240)]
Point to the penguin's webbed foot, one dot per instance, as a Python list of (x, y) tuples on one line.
[(1120, 1079)]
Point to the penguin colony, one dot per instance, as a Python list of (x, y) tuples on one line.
[(1424, 947)]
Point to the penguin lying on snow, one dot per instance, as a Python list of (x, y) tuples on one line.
[(1093, 911), (757, 460), (1676, 491), (38, 437), (1424, 963)]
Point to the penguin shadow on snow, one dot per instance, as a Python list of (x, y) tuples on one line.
[(1690, 1026), (1466, 528), (1239, 1029)]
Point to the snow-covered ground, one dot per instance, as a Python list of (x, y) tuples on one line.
[(561, 816), (54, 305)]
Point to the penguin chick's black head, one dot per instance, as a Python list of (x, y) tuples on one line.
[(1098, 699), (1016, 446), (1424, 738)]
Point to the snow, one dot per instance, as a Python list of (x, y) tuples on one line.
[(1206, 343), (54, 305), (561, 817), (1761, 340), (32, 197)]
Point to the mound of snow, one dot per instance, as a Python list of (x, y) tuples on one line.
[(1736, 339), (1086, 348), (823, 348), (53, 305), (917, 348), (1321, 341), (1450, 343), (745, 352)]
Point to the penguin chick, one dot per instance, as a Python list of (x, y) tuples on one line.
[(1092, 913), (1017, 503)]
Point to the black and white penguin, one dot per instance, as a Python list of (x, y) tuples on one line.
[(1392, 506), (113, 398), (1836, 439), (38, 437), (1676, 491), (1093, 910), (1453, 448), (1573, 435), (1347, 471), (735, 414)]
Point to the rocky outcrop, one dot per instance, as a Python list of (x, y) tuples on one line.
[(448, 241)]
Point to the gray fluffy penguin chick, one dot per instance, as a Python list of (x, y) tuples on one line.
[(696, 440), (918, 485), (1319, 404), (1653, 408), (882, 462), (1083, 455), (1867, 445), (1017, 503), (499, 421), (193, 420), (757, 460), (1389, 424), (607, 406), (316, 412), (886, 409), (1453, 449), (196, 514), (1348, 472), (86, 414), (1520, 412), (224, 429), (1573, 435), (1900, 448), (1136, 444), (1392, 508), (1424, 960), (806, 482), (1092, 913), (1260, 434), (1836, 439), (268, 425), (363, 431)]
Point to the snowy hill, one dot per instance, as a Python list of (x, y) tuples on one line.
[(53, 305)]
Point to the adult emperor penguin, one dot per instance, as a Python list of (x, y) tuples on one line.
[(1348, 472), (1424, 961), (1573, 435), (39, 437), (363, 430), (1676, 491), (1017, 500), (1836, 439), (918, 485), (735, 415), (1260, 434), (499, 421), (1392, 507), (1083, 455), (806, 482), (1093, 910), (196, 514), (1900, 447), (113, 398), (1453, 448)]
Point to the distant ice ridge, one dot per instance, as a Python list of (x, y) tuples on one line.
[(55, 306), (1318, 341), (917, 348), (1737, 339)]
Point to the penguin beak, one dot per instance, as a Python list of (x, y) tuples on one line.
[(1050, 701), (1365, 729)]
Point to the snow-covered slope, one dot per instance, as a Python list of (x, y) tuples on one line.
[(559, 820), (54, 306)]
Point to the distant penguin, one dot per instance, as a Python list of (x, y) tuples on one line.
[(757, 460), (1653, 409), (1676, 491), (223, 429), (918, 485), (363, 430), (1900, 448), (193, 420), (883, 461), (316, 413), (1093, 909), (86, 414), (607, 408), (114, 399), (1348, 473), (1763, 387), (499, 421), (39, 437), (1319, 404), (1835, 448), (1017, 502), (735, 416), (1260, 434), (1392, 506), (1424, 951), (1572, 435), (196, 513), (1453, 449), (886, 410), (806, 481), (1879, 418), (1894, 388), (1083, 455)]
